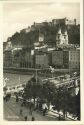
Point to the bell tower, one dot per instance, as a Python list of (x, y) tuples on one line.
[(58, 37), (65, 37)]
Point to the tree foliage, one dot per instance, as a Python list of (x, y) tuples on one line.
[(60, 98)]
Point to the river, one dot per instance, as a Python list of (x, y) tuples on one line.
[(16, 79)]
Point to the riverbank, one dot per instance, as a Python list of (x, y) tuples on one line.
[(31, 71)]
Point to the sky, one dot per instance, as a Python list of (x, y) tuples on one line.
[(17, 16)]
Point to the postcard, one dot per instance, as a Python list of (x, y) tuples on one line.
[(42, 64)]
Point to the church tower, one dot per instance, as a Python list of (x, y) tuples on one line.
[(65, 37), (61, 38), (58, 37)]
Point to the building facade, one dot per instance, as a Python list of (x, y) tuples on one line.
[(41, 60), (57, 58), (7, 58), (26, 59), (71, 59), (74, 59)]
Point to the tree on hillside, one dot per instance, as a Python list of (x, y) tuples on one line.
[(29, 38), (15, 39), (74, 34)]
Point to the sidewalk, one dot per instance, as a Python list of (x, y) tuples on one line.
[(54, 114), (12, 112), (15, 107)]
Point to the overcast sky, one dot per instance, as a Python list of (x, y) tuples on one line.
[(17, 16)]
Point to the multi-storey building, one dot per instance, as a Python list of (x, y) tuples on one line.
[(41, 60), (7, 58), (71, 59), (68, 59), (29, 59), (25, 59), (16, 58), (57, 58)]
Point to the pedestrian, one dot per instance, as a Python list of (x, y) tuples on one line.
[(59, 117), (21, 111), (44, 111), (30, 109), (33, 118), (17, 99), (25, 118), (22, 104)]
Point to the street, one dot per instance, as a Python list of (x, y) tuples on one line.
[(12, 113)]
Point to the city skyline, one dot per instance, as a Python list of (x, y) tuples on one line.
[(17, 16)]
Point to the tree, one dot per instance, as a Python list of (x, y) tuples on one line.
[(60, 97), (28, 39), (74, 106), (32, 89), (61, 100), (48, 91), (78, 106)]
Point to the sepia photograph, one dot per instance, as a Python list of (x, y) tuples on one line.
[(41, 61)]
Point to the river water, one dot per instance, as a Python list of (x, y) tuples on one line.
[(15, 79)]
